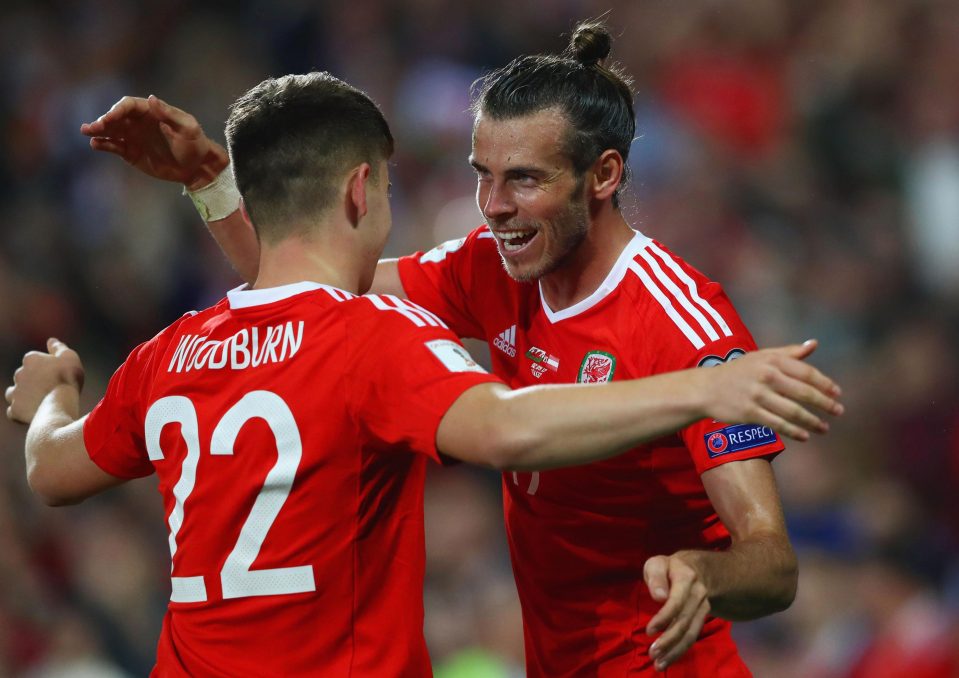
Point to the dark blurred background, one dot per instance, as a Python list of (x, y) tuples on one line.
[(805, 154)]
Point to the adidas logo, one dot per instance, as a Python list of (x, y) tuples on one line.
[(506, 341)]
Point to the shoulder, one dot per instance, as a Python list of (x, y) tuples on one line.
[(158, 344), (392, 312), (385, 329), (482, 243), (144, 361), (679, 306), (479, 242), (190, 324)]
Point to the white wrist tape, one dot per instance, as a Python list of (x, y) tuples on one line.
[(218, 199)]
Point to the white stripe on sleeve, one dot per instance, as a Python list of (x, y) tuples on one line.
[(693, 292), (667, 305), (678, 295), (383, 306), (429, 315), (406, 307)]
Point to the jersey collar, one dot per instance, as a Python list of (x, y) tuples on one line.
[(613, 278), (244, 297)]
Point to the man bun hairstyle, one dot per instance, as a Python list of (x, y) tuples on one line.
[(292, 140), (590, 44), (595, 97)]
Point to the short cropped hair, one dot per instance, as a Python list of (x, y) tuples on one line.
[(292, 140), (596, 99)]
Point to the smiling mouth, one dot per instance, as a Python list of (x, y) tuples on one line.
[(514, 241)]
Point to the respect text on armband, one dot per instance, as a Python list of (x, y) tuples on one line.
[(738, 438), (250, 347)]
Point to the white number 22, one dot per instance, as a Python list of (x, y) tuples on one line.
[(236, 577)]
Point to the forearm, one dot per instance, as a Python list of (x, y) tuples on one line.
[(50, 433), (46, 396), (218, 202), (571, 424), (237, 240), (753, 578), (544, 427)]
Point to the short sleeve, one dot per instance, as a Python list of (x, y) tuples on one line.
[(442, 281), (113, 431), (712, 443), (407, 370), (704, 330)]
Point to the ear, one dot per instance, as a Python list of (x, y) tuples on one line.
[(605, 175), (356, 184)]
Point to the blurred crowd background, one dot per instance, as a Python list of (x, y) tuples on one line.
[(805, 154)]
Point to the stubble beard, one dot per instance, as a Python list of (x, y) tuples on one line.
[(566, 233)]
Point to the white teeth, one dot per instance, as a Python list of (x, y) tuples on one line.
[(507, 236)]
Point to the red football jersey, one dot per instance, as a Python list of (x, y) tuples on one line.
[(579, 537), (289, 430)]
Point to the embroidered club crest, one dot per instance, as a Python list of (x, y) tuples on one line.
[(597, 367)]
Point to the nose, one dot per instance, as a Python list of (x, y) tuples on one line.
[(495, 202)]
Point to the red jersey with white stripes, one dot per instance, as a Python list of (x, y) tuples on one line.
[(579, 537), (289, 430)]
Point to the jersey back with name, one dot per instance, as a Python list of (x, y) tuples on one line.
[(289, 431)]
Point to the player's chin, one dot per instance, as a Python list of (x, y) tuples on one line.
[(521, 271), (526, 265)]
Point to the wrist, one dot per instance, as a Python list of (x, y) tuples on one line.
[(697, 561), (217, 199), (73, 378), (215, 161), (62, 404)]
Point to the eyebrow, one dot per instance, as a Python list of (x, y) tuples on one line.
[(513, 171)]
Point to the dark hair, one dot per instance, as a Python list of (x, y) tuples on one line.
[(596, 99), (292, 139)]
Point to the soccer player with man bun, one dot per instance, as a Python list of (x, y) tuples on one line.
[(625, 566), (622, 564)]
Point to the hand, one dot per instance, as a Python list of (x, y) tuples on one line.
[(39, 375), (772, 387), (159, 140), (681, 618)]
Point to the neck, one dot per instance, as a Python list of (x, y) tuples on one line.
[(587, 266), (314, 259)]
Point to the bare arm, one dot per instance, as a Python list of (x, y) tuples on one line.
[(387, 279), (46, 395), (755, 576), (561, 425), (237, 240)]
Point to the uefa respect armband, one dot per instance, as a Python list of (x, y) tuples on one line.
[(737, 438)]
